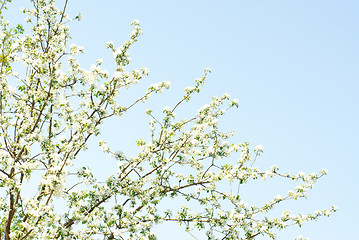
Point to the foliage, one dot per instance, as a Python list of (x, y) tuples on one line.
[(53, 107)]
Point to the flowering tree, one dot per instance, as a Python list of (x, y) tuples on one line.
[(50, 110)]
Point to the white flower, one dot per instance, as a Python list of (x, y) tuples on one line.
[(104, 146), (11, 90), (167, 109), (146, 71), (301, 174), (87, 171), (55, 156), (324, 171), (81, 202), (278, 197), (269, 173), (300, 237), (117, 74), (116, 233), (62, 138), (259, 148), (2, 35), (135, 22), (254, 225), (235, 102), (79, 17), (109, 43)]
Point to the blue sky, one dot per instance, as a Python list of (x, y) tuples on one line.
[(292, 64)]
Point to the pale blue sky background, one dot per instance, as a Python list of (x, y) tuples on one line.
[(293, 65)]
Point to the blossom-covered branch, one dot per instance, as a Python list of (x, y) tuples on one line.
[(49, 109)]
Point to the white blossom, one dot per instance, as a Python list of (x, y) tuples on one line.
[(258, 148), (54, 108)]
